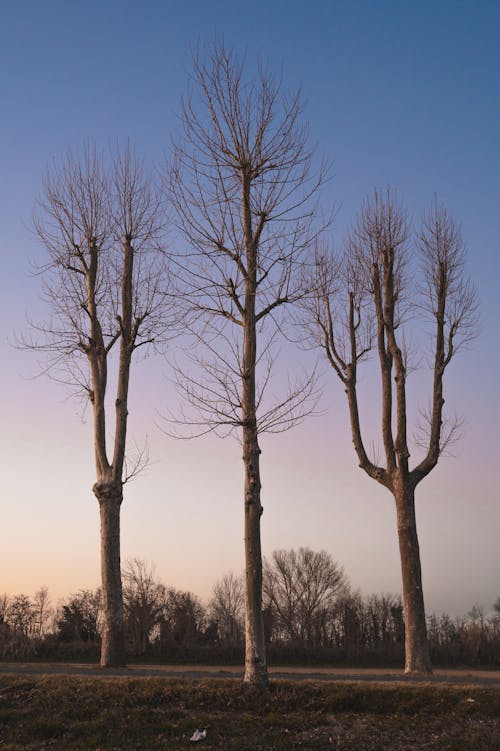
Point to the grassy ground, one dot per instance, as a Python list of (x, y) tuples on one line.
[(67, 713)]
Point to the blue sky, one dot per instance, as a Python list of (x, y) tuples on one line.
[(396, 92)]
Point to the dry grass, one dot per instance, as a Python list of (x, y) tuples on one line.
[(84, 714)]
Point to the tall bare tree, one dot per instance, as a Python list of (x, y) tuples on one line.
[(243, 188), (367, 298), (102, 227)]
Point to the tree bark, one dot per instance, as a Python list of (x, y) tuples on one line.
[(255, 647), (417, 657), (113, 633)]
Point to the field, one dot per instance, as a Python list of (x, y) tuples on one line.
[(76, 713)]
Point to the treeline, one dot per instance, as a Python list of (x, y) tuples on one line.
[(310, 614)]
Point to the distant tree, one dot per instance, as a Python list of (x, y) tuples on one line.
[(144, 600), (366, 298), (17, 628), (22, 615), (385, 624), (302, 589), (29, 616), (4, 607), (104, 281), (350, 624), (81, 617), (43, 611), (227, 609), (184, 618), (243, 191), (476, 615), (474, 640)]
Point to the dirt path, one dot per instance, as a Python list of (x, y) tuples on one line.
[(197, 672)]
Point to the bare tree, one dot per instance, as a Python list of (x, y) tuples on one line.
[(243, 188), (302, 589), (22, 615), (43, 611), (80, 618), (5, 602), (144, 600), (227, 607), (103, 282), (368, 298), (184, 618), (384, 619)]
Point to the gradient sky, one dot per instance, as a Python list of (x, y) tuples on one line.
[(397, 92)]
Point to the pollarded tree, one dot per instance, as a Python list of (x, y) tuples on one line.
[(368, 297), (102, 228), (243, 187)]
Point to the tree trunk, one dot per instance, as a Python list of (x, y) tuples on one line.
[(255, 646), (113, 631), (417, 658)]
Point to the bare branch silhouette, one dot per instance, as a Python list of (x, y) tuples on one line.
[(365, 298), (105, 287), (244, 187)]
